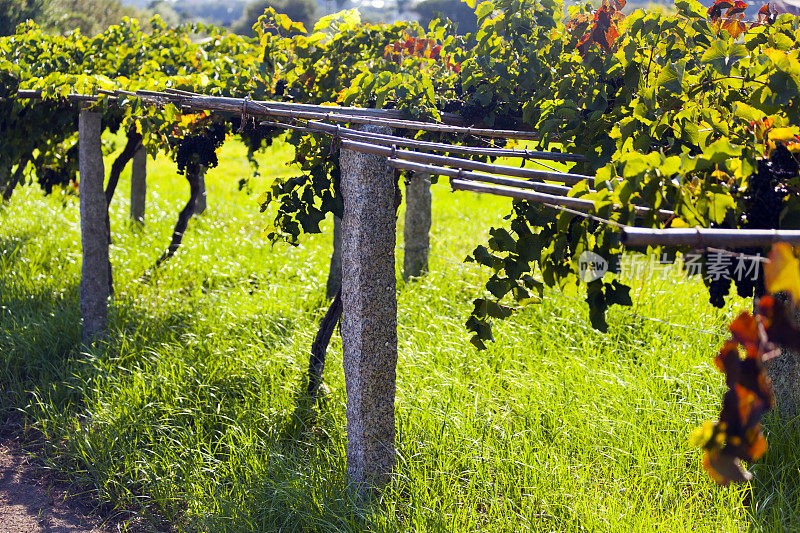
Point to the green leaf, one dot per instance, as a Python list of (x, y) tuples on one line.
[(483, 10), (671, 77), (721, 150), (722, 56)]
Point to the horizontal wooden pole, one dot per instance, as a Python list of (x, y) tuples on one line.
[(71, 96), (466, 164), (543, 198), (705, 237), (356, 115), (549, 188), (427, 145), (222, 103), (533, 196), (392, 123)]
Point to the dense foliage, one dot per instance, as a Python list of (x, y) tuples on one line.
[(673, 111), (695, 112)]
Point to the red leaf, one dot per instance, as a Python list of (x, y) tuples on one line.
[(715, 11), (724, 468), (744, 329), (738, 7)]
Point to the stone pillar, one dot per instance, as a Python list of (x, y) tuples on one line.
[(784, 372), (369, 319), (200, 206), (138, 185), (94, 231), (335, 271), (416, 231)]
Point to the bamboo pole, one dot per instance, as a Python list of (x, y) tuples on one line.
[(465, 164), (705, 237)]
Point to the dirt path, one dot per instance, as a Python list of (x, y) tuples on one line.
[(29, 503)]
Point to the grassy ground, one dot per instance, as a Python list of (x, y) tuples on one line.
[(190, 415)]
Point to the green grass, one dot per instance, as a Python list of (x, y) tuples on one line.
[(190, 416)]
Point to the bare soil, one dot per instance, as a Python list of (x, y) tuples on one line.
[(32, 503)]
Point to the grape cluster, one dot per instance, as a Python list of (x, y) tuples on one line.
[(52, 176), (473, 112), (763, 201), (718, 288), (613, 86), (200, 149), (59, 173), (254, 135)]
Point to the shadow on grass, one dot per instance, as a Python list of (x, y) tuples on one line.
[(302, 484), (775, 497), (143, 420)]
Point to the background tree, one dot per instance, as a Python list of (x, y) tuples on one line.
[(304, 11), (13, 12), (90, 16), (62, 16), (455, 10)]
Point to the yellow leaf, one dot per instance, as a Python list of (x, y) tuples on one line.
[(678, 223), (783, 134), (782, 273)]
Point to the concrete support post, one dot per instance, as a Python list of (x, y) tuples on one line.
[(784, 372), (202, 204), (417, 227), (138, 185), (95, 267), (335, 271), (369, 319)]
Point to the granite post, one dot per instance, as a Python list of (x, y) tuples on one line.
[(784, 372), (95, 267), (369, 319), (201, 204), (138, 185), (335, 271), (417, 227)]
